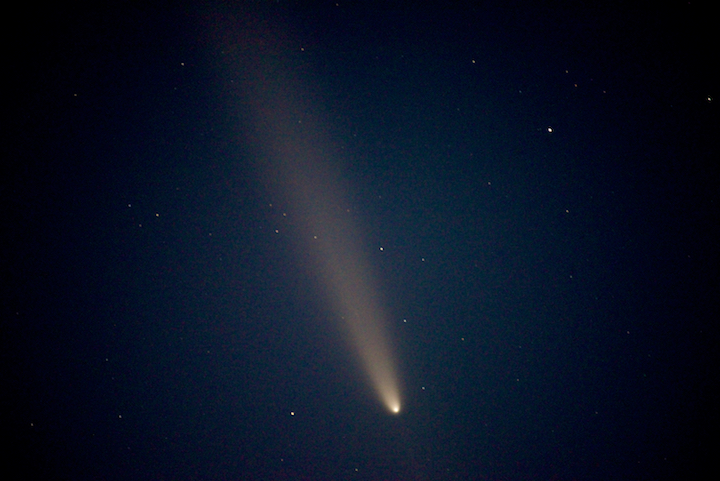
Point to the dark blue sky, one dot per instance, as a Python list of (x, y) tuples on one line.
[(535, 192)]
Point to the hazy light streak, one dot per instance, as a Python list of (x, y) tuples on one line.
[(302, 165)]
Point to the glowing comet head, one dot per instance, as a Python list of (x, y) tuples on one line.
[(382, 374)]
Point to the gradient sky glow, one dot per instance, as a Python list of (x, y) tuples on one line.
[(292, 240)]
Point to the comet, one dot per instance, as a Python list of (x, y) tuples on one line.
[(300, 164)]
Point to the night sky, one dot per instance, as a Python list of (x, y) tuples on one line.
[(236, 237)]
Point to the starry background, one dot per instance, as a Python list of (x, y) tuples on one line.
[(537, 189)]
